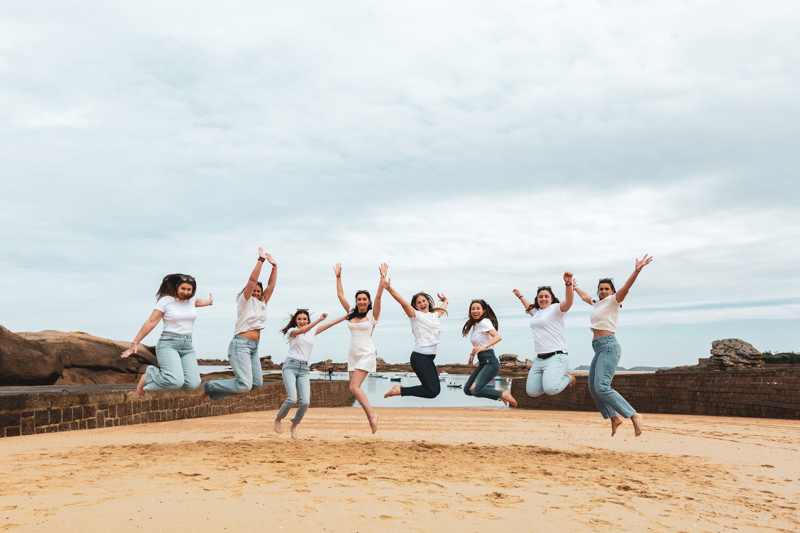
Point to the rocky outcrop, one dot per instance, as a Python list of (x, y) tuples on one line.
[(509, 365), (25, 363), (730, 354), (266, 363)]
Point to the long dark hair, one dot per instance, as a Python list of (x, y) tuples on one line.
[(260, 285), (171, 282), (293, 320), (610, 282), (487, 313), (431, 308), (535, 304), (354, 311)]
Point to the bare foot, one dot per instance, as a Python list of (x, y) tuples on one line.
[(277, 426), (140, 387), (508, 399), (373, 423), (294, 431), (394, 391), (615, 423), (203, 395), (636, 418), (572, 380)]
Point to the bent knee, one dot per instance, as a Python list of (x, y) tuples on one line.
[(172, 381), (550, 391)]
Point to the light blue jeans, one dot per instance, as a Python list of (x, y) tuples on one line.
[(607, 352), (243, 357), (296, 380), (548, 376), (177, 364)]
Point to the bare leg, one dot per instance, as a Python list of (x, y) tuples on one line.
[(508, 399), (616, 422), (294, 431), (277, 426), (572, 380), (394, 391), (636, 418), (357, 377), (140, 387)]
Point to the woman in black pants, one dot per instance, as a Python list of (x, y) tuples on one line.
[(481, 326), (427, 335)]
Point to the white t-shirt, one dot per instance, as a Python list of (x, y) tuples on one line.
[(179, 315), (548, 329), (300, 345), (427, 332), (251, 314), (605, 313), (480, 333)]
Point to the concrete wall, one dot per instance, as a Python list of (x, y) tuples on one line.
[(33, 410), (764, 393)]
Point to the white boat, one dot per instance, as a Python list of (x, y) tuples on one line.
[(454, 385), (410, 375), (443, 376)]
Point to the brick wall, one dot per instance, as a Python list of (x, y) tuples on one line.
[(30, 411), (764, 393)]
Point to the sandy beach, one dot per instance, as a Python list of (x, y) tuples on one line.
[(454, 469)]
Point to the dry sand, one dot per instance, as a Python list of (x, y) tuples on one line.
[(442, 470)]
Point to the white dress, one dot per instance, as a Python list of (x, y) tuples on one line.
[(362, 351)]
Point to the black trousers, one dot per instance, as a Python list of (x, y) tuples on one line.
[(428, 376)]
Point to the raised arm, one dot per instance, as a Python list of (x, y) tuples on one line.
[(333, 322), (201, 302), (525, 302), (337, 269), (307, 327), (567, 303), (149, 325), (386, 283), (273, 277), (254, 275), (376, 304), (623, 291), (582, 294), (442, 308)]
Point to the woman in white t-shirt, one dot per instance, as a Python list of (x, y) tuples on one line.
[(607, 351), (427, 335), (177, 362), (301, 332), (251, 317), (362, 357), (548, 373), (481, 326)]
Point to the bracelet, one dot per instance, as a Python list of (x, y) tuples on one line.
[(262, 259), (521, 296), (568, 284), (638, 269)]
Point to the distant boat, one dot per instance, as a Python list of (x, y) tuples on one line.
[(411, 375), (395, 378), (443, 376), (454, 385)]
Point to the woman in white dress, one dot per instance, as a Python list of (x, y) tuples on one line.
[(361, 320)]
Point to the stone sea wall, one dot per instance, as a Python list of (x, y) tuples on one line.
[(762, 393), (34, 410)]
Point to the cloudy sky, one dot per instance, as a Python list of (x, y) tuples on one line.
[(475, 147)]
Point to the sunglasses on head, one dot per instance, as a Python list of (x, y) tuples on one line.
[(187, 279), (302, 311)]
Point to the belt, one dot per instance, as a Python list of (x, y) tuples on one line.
[(549, 355)]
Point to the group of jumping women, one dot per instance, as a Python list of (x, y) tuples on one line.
[(177, 362)]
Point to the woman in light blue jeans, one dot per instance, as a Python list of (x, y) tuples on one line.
[(607, 352), (251, 316), (177, 363), (301, 332)]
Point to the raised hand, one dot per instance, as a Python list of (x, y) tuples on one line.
[(384, 268), (210, 299), (270, 260), (568, 277), (441, 297), (385, 282), (517, 293), (130, 351), (337, 269), (323, 316), (261, 254), (644, 262)]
